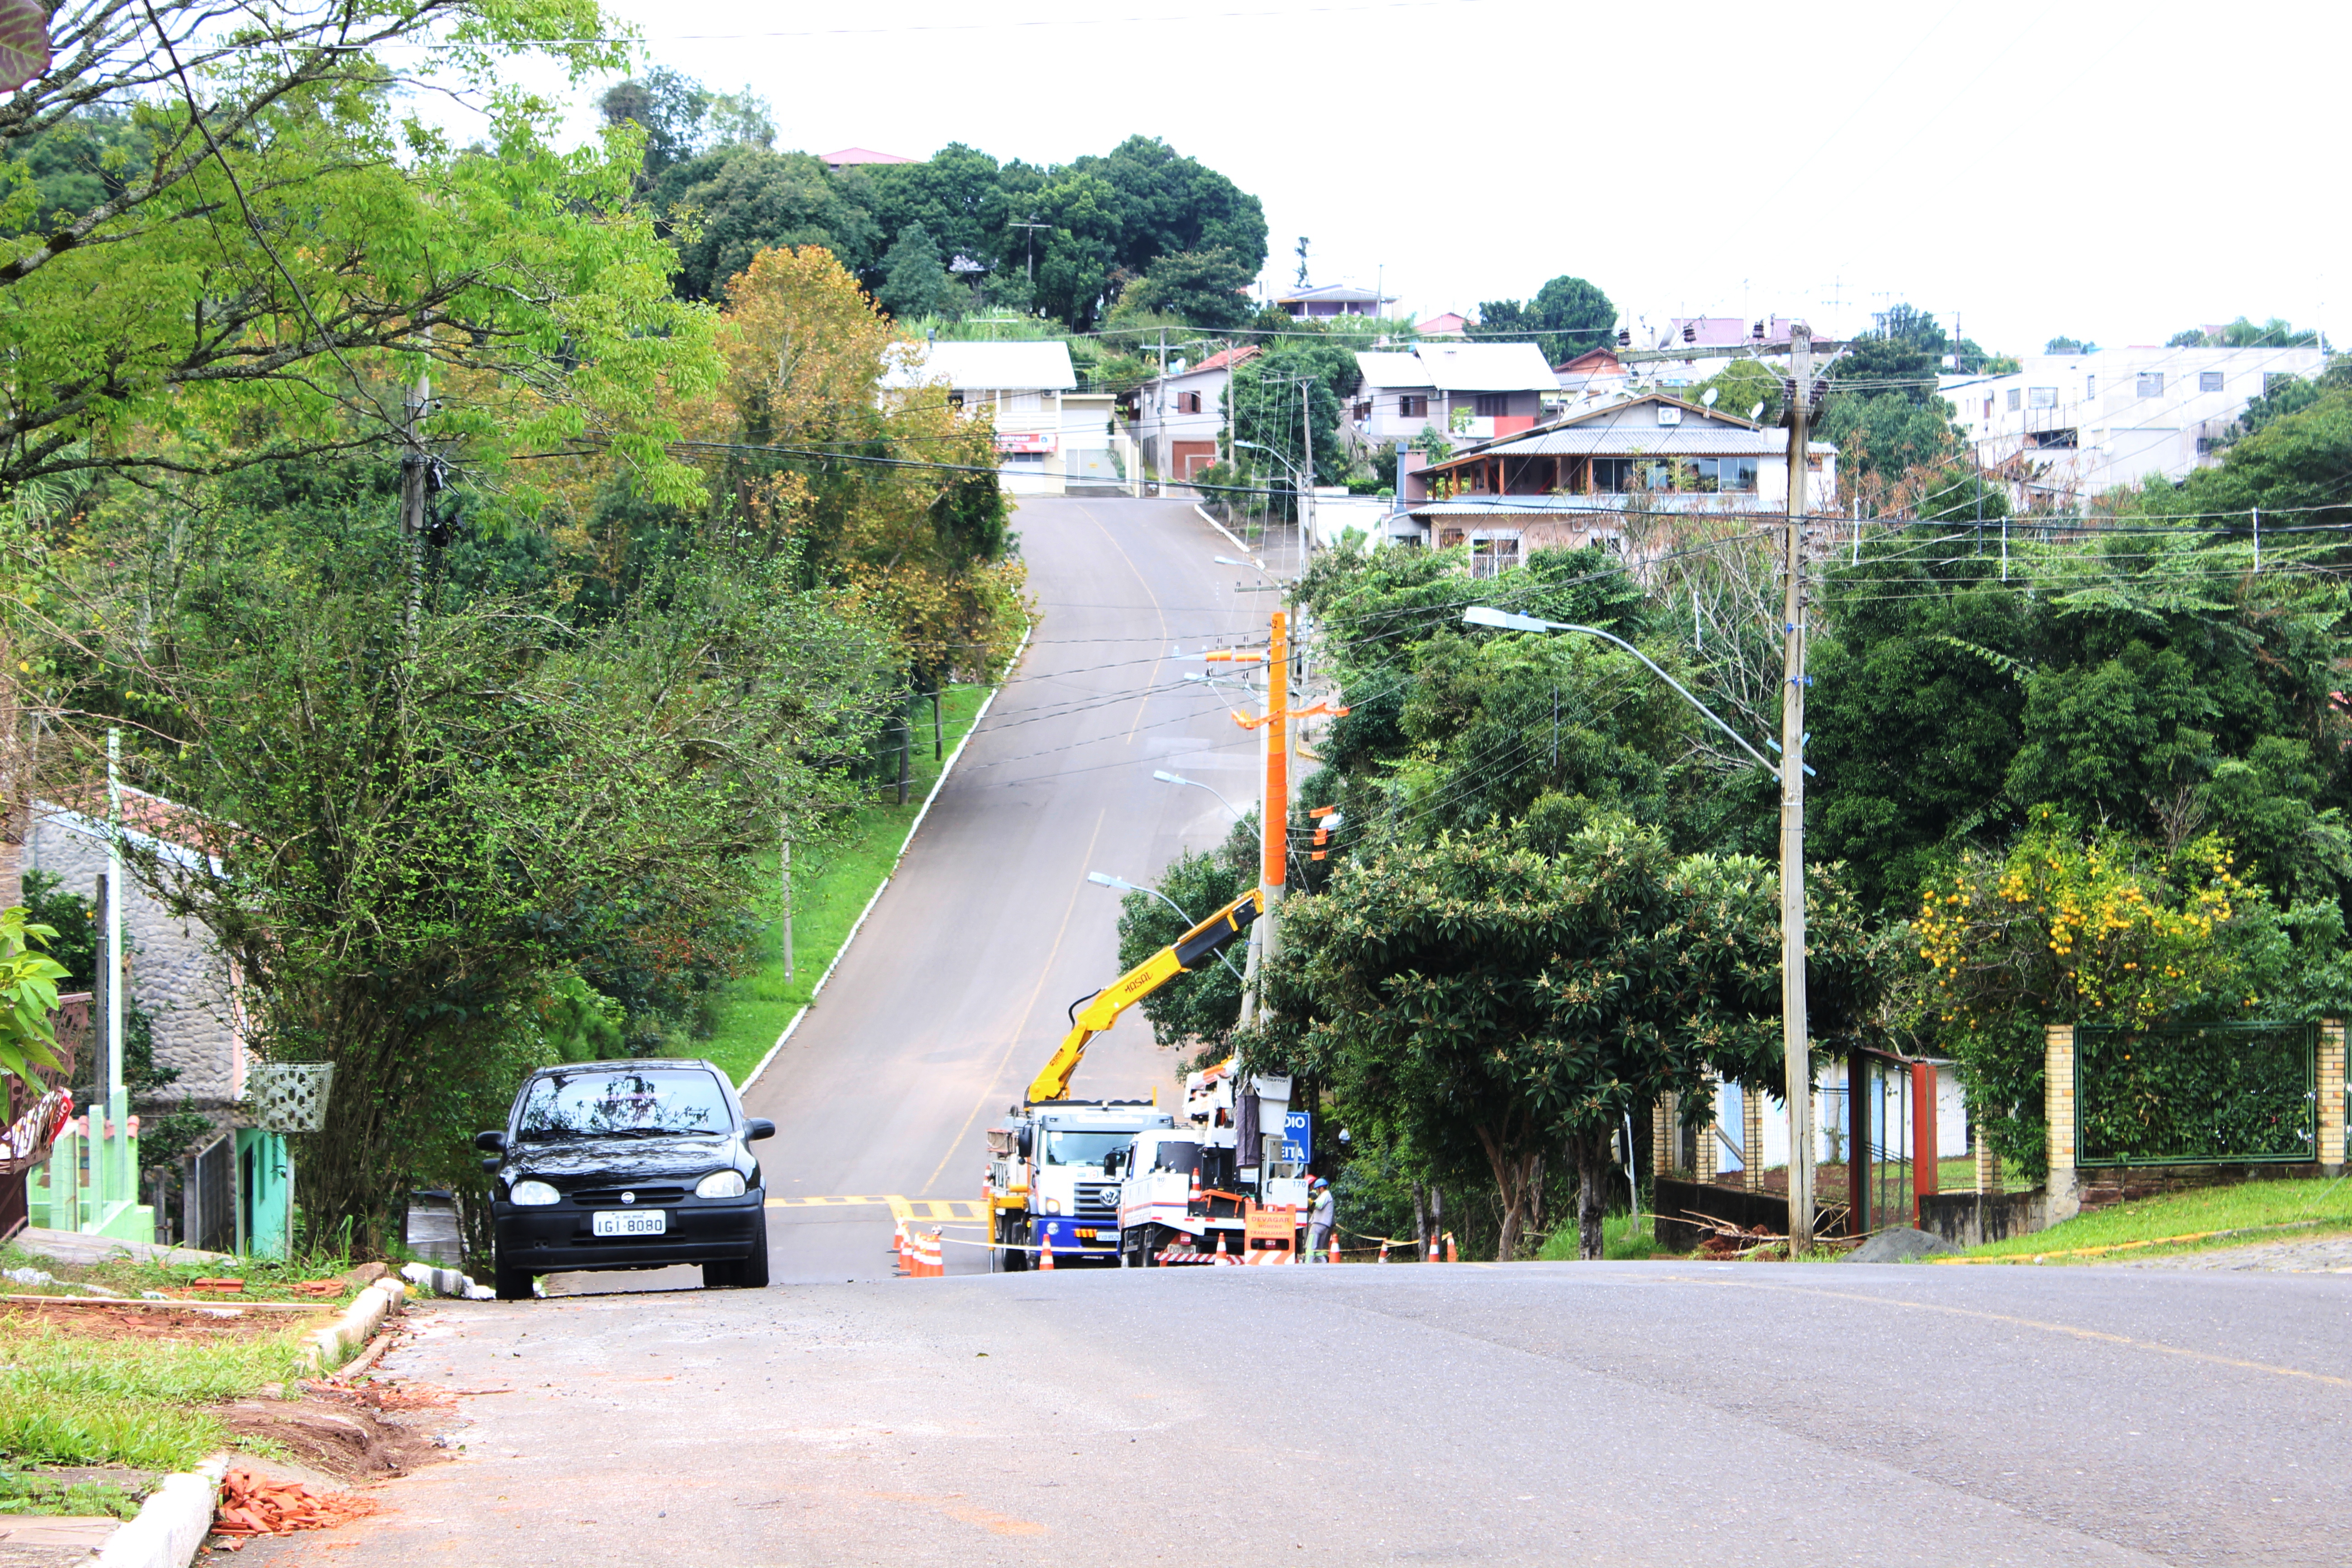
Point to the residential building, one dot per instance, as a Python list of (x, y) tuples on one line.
[(1464, 391), (1326, 299), (848, 155), (1582, 479), (1177, 417), (2068, 426), (1049, 436), (1595, 371), (1449, 324)]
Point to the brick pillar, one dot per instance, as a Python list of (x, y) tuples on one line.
[(2058, 1103), (1751, 1136), (1987, 1162), (1703, 1169), (1662, 1137), (2329, 1080)]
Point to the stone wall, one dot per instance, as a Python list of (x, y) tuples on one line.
[(176, 975)]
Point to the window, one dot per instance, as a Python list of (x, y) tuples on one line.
[(2151, 383), (1362, 410), (1493, 405), (2041, 397), (2090, 386), (631, 1102), (1492, 557), (2209, 381), (1188, 403), (1723, 474), (2015, 396), (1411, 406)]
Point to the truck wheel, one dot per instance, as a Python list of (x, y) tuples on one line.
[(1010, 1234)]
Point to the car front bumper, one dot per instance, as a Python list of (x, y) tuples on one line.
[(556, 1237)]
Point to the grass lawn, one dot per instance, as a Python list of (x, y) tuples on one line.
[(830, 890), (82, 1394), (2240, 1207)]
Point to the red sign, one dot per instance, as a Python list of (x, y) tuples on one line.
[(1025, 441)]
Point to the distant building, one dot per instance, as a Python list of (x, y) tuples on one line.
[(1582, 478), (849, 155), (1050, 436), (1447, 325), (1593, 371), (2069, 426), (1177, 417), (1464, 391), (1326, 299)]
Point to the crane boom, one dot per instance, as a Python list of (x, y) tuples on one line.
[(1187, 953)]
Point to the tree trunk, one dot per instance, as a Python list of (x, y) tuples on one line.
[(1593, 1166)]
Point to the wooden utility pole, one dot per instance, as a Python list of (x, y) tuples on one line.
[(1796, 1043), (413, 476)]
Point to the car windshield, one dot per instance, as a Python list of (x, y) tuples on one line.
[(628, 1103), (1083, 1147)]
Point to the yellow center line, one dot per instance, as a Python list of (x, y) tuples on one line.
[(2068, 1330), (1044, 971)]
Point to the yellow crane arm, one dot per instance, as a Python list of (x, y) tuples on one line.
[(1188, 952)]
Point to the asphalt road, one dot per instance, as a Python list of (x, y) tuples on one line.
[(1602, 1413), (954, 993)]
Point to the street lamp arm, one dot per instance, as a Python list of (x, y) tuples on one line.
[(1530, 623)]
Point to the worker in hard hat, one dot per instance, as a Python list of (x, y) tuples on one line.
[(1318, 1218)]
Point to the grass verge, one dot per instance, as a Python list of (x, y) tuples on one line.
[(265, 1280), (77, 1399), (23, 1492), (830, 890), (2242, 1206)]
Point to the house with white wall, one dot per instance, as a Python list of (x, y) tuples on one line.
[(1583, 477), (1178, 417), (2068, 426), (1464, 391), (1050, 436)]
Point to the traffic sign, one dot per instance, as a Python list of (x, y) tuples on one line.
[(1299, 1136)]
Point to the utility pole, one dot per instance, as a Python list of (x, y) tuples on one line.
[(1796, 1043), (1305, 474), (414, 465), (784, 879), (1274, 816)]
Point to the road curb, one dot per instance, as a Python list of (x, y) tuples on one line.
[(329, 1346), (1202, 512), (172, 1523), (905, 844)]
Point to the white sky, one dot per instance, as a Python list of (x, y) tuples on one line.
[(2108, 171)]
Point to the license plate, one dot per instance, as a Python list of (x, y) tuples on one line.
[(629, 1222)]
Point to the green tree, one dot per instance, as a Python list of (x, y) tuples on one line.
[(726, 207), (1567, 316), (1198, 1010), (1203, 288), (1166, 203), (913, 283), (2064, 345)]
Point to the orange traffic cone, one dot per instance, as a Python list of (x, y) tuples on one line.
[(1335, 1248), (1221, 1247), (1433, 1256), (1195, 1197), (939, 1256), (1384, 1252), (1045, 1258), (1449, 1248)]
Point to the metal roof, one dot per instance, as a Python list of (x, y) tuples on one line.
[(1642, 441), (990, 367), (1462, 367)]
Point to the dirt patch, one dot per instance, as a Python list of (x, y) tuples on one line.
[(359, 1434), (182, 1325)]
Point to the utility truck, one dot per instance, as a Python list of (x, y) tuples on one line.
[(1216, 1175), (1046, 1184)]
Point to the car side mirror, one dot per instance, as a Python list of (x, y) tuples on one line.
[(492, 1142), (759, 1127)]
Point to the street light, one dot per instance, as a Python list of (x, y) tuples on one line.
[(1104, 878), (1487, 616), (1180, 779)]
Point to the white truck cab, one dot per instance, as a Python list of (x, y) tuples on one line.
[(1046, 1181), (1159, 1172)]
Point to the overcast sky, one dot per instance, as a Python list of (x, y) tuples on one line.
[(2105, 171)]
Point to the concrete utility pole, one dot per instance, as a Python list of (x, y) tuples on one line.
[(1274, 814), (784, 878), (414, 465), (1307, 475), (1796, 1043)]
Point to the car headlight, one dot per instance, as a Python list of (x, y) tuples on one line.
[(1053, 1205), (720, 1184), (533, 1194)]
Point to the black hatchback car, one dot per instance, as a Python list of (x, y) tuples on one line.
[(636, 1164)]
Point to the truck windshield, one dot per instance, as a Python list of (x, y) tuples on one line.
[(631, 1103), (1083, 1147)]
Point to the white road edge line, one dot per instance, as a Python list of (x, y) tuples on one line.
[(1220, 528), (912, 829)]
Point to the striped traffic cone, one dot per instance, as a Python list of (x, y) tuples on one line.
[(1335, 1248), (939, 1256), (1384, 1251), (1449, 1248), (1045, 1258), (1221, 1247), (1433, 1256)]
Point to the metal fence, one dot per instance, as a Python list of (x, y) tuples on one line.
[(2196, 1094)]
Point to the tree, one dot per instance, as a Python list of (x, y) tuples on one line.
[(29, 995), (914, 285), (2242, 333), (1567, 316), (257, 281), (1263, 396), (2064, 345), (1165, 204), (726, 207), (1199, 1009), (1205, 289)]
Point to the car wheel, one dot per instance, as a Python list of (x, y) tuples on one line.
[(721, 1276), (752, 1274), (511, 1284)]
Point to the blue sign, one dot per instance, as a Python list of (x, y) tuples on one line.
[(1297, 1136)]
